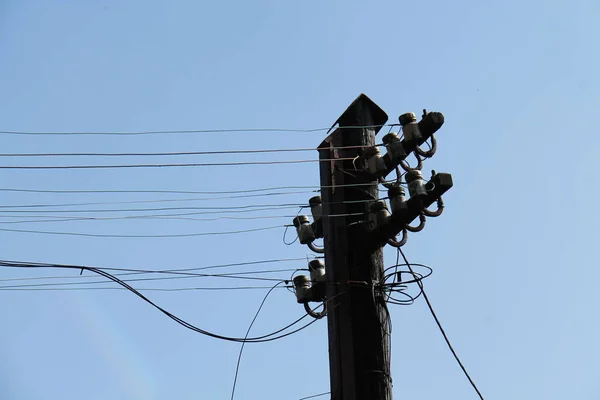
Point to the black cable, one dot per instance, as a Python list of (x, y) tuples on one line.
[(168, 272), (237, 367), (314, 395), (218, 164), (140, 289), (437, 321), (261, 207), (234, 275), (179, 191), (161, 200), (178, 153), (178, 235), (260, 339), (241, 130), (255, 207)]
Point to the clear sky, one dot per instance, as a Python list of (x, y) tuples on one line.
[(515, 279)]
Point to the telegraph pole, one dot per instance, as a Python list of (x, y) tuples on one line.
[(359, 351), (355, 226)]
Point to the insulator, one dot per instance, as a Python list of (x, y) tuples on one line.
[(375, 162), (317, 270), (410, 127), (416, 184), (379, 214), (316, 207), (303, 229), (394, 147), (397, 198), (302, 288)]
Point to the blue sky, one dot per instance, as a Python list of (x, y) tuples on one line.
[(514, 278)]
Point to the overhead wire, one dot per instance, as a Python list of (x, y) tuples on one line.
[(219, 288), (184, 131), (267, 189), (179, 275), (260, 339), (441, 328), (180, 153), (210, 164), (239, 359), (314, 396), (108, 235)]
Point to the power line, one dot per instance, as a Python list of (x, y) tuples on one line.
[(237, 367), (253, 207), (314, 396), (140, 289), (150, 217), (141, 236), (218, 164), (176, 191), (240, 130), (163, 200), (260, 339), (178, 153), (182, 275), (438, 323)]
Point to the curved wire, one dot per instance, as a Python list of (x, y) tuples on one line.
[(432, 149), (407, 167), (402, 242), (316, 249), (419, 227), (314, 314), (260, 339), (438, 212)]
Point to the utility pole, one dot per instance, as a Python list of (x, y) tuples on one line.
[(355, 226), (359, 350)]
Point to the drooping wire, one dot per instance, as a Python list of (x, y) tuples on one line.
[(260, 339), (443, 332), (237, 367), (178, 275)]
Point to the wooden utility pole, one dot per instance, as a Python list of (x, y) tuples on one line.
[(359, 347), (355, 226)]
